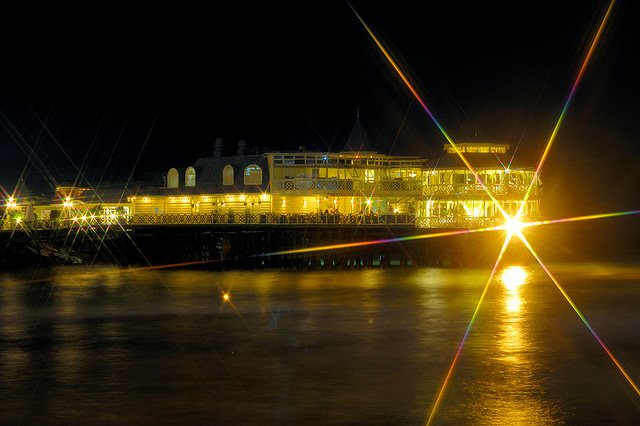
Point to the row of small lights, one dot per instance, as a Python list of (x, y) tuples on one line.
[(11, 203)]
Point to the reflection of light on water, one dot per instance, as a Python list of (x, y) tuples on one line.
[(511, 391), (511, 343), (513, 278)]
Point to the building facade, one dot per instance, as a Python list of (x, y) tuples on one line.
[(454, 197), (355, 185)]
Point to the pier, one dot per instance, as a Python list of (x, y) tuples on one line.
[(224, 241)]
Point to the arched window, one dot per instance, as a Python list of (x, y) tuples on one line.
[(227, 175), (190, 177), (172, 178), (253, 175)]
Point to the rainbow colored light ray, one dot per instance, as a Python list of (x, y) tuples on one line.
[(466, 334), (417, 96), (554, 133), (582, 317), (515, 221)]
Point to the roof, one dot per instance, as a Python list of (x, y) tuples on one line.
[(209, 177), (358, 140)]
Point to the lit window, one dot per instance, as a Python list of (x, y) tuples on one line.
[(227, 175), (253, 175), (190, 177), (172, 178)]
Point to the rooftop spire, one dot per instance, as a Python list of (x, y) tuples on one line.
[(358, 140)]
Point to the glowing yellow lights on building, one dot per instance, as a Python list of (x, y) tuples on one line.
[(225, 296), (513, 225)]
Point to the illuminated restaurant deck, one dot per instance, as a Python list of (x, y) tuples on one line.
[(356, 186)]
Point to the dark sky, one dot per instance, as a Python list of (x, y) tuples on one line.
[(106, 90)]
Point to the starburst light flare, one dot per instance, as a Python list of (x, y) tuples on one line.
[(513, 224)]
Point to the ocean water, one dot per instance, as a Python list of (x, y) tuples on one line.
[(365, 346)]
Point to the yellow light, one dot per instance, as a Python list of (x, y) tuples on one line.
[(514, 277), (225, 296), (513, 225), (368, 202)]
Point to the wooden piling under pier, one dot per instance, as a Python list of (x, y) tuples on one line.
[(257, 247)]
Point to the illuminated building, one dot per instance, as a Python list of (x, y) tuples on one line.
[(452, 197), (356, 185), (355, 181), (218, 185)]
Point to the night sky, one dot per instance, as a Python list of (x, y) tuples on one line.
[(109, 91)]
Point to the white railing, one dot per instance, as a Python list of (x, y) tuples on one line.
[(213, 219), (466, 222), (477, 189)]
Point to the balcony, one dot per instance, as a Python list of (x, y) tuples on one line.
[(478, 190)]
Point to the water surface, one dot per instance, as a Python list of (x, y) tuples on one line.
[(366, 346)]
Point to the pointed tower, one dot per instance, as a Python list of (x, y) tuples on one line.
[(358, 140)]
